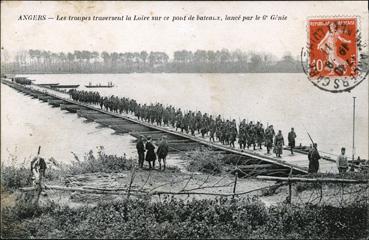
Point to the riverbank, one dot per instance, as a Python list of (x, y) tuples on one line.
[(171, 204), (173, 218)]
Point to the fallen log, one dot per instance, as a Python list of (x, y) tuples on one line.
[(83, 189), (300, 179), (139, 192)]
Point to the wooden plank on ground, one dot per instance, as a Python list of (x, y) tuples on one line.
[(321, 179)]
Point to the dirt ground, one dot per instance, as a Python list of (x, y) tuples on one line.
[(86, 187)]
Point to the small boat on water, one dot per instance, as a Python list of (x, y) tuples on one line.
[(48, 84), (110, 85), (22, 80), (65, 86)]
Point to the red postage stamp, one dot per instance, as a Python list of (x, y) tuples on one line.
[(334, 59), (333, 47)]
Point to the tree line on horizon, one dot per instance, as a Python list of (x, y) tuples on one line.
[(184, 61)]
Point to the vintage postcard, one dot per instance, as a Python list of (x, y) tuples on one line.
[(184, 119)]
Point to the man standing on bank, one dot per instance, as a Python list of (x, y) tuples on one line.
[(342, 163), (150, 154), (141, 151), (291, 139), (313, 157), (162, 152)]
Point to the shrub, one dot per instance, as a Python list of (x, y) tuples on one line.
[(172, 218), (100, 163), (13, 178), (316, 222), (13, 217), (204, 161), (303, 186)]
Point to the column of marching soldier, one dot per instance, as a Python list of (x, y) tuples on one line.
[(248, 134)]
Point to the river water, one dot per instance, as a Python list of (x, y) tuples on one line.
[(284, 100)]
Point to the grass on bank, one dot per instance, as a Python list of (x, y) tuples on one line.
[(13, 177), (172, 218)]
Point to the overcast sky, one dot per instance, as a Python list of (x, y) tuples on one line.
[(277, 37)]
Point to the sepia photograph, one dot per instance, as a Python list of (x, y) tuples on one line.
[(184, 119)]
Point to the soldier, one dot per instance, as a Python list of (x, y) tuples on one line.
[(38, 168), (179, 119), (269, 135), (121, 107), (291, 140), (217, 128), (101, 103), (225, 132), (104, 101), (166, 116), (185, 122), (162, 152), (138, 112), (342, 163), (172, 117), (212, 130), (278, 144), (234, 124), (141, 151), (222, 132), (204, 125), (192, 125), (159, 114), (260, 134), (246, 132), (242, 134), (251, 135), (150, 154), (232, 135), (313, 157), (218, 132)]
